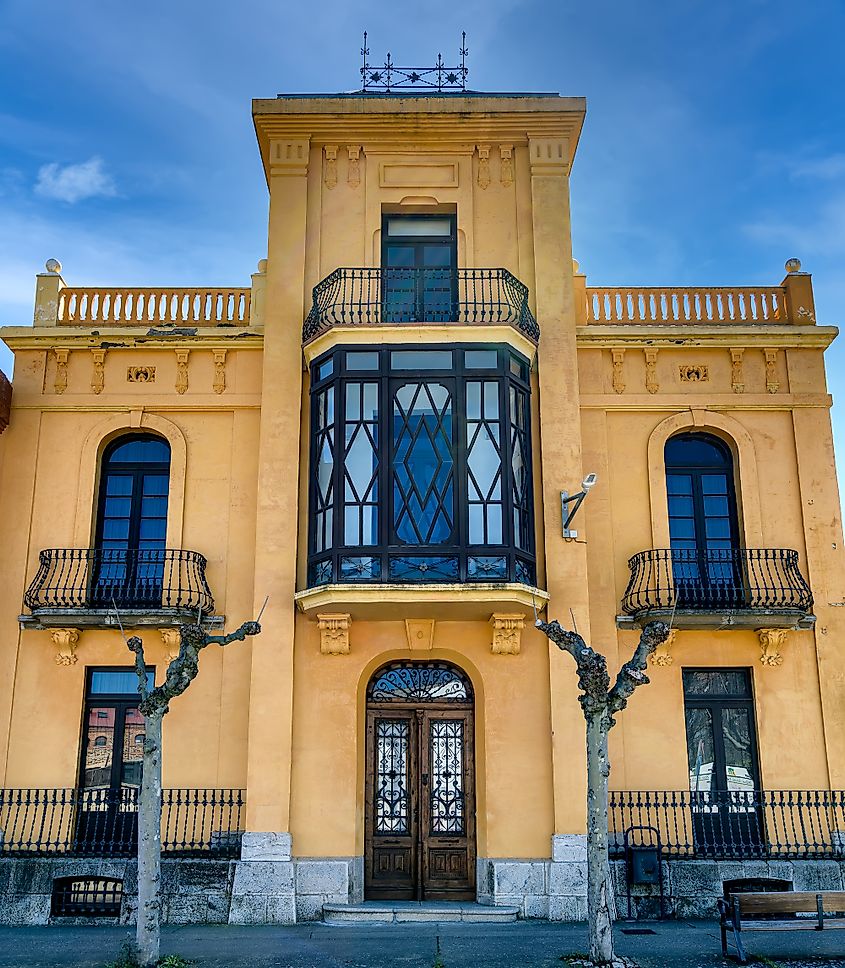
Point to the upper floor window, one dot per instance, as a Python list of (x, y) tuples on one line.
[(419, 258), (421, 463), (703, 525), (132, 521)]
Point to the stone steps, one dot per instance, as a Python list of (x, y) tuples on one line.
[(398, 912)]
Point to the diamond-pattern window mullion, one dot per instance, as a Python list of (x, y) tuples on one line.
[(423, 464)]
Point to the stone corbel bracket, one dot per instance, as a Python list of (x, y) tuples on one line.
[(219, 371), (170, 641), (98, 375), (662, 655), (334, 633), (772, 382), (507, 633), (182, 370), (771, 643), (483, 166), (651, 382), (737, 377), (353, 171), (60, 382), (618, 362), (65, 641), (506, 156), (330, 171)]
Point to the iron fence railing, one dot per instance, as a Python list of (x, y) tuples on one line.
[(200, 822), (732, 825), (132, 579), (766, 579), (375, 296)]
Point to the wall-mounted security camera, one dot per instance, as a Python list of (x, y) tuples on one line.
[(567, 513)]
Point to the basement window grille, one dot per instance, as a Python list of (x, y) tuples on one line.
[(86, 897)]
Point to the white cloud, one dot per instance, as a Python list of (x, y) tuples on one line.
[(73, 183)]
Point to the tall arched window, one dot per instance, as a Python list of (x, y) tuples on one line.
[(703, 526), (132, 521)]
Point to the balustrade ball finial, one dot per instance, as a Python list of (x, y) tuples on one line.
[(53, 265), (793, 265), (262, 265)]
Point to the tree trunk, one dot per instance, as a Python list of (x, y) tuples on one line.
[(148, 935), (599, 887)]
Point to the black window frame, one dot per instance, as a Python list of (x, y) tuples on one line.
[(519, 563), (718, 703), (394, 274)]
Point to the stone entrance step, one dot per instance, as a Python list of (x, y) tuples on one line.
[(395, 912)]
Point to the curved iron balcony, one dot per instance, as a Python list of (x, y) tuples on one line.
[(717, 580), (134, 579), (375, 296)]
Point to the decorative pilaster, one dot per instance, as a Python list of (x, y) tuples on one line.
[(330, 168), (651, 383), (219, 371), (65, 641), (506, 172), (507, 633), (60, 382), (618, 361), (334, 633), (737, 376), (483, 166), (353, 171), (98, 376), (182, 370), (170, 641), (772, 382), (771, 642), (662, 655)]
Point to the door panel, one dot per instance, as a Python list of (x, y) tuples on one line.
[(420, 824)]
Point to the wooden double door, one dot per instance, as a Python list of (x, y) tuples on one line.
[(420, 803)]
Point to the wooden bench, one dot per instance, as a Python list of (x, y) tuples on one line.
[(779, 911)]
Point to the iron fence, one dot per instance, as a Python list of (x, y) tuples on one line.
[(200, 822), (733, 825), (375, 296), (132, 578), (716, 579)]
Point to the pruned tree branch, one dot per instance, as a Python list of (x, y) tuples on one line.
[(632, 674), (183, 669), (591, 666)]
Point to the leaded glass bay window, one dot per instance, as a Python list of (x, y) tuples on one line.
[(421, 466)]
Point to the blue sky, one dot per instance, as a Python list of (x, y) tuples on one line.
[(714, 147)]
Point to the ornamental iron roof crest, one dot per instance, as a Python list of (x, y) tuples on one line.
[(389, 77)]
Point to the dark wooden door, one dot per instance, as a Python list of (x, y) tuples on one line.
[(420, 803)]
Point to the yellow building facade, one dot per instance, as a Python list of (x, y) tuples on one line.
[(383, 436)]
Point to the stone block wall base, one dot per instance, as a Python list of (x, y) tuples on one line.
[(263, 892), (553, 889), (327, 880), (692, 887)]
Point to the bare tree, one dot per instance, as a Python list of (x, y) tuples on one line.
[(155, 703), (599, 703)]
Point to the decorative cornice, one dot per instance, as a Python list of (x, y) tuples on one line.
[(678, 337), (130, 337)]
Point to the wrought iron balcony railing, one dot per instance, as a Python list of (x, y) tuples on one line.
[(104, 822), (755, 579), (135, 579), (731, 825), (374, 297)]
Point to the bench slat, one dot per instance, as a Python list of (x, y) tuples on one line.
[(789, 902), (799, 924)]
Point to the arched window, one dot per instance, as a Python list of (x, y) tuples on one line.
[(703, 526), (132, 521)]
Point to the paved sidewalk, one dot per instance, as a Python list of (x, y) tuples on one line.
[(527, 944)]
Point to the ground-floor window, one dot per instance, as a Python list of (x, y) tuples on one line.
[(722, 757), (112, 750)]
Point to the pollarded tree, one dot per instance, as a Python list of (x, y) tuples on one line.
[(600, 702), (154, 704)]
